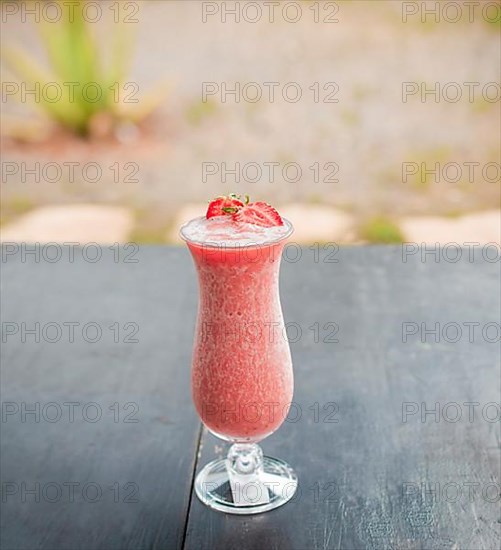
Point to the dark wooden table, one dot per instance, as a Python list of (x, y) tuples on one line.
[(388, 451)]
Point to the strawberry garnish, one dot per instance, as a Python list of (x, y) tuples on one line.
[(222, 206), (258, 213)]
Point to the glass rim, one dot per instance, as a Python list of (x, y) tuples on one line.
[(229, 244)]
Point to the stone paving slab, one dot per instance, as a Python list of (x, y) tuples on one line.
[(76, 223), (483, 228), (318, 223)]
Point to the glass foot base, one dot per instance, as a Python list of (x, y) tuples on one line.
[(219, 487)]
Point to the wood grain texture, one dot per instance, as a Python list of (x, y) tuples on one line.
[(360, 477), (156, 454), (365, 480)]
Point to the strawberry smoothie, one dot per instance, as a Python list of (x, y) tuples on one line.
[(242, 379)]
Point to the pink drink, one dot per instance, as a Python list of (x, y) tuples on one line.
[(242, 379)]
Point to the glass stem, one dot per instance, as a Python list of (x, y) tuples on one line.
[(245, 459)]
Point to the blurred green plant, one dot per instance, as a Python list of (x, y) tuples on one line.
[(350, 117), (493, 25), (14, 206), (142, 235), (150, 227), (381, 230), (199, 110), (75, 56), (315, 198), (481, 105), (454, 213)]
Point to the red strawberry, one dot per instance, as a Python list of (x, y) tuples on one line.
[(222, 206), (258, 213)]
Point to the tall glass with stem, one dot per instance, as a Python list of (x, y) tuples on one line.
[(242, 379)]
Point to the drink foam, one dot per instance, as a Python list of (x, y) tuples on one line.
[(224, 230)]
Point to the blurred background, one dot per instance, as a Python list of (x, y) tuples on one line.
[(118, 120)]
